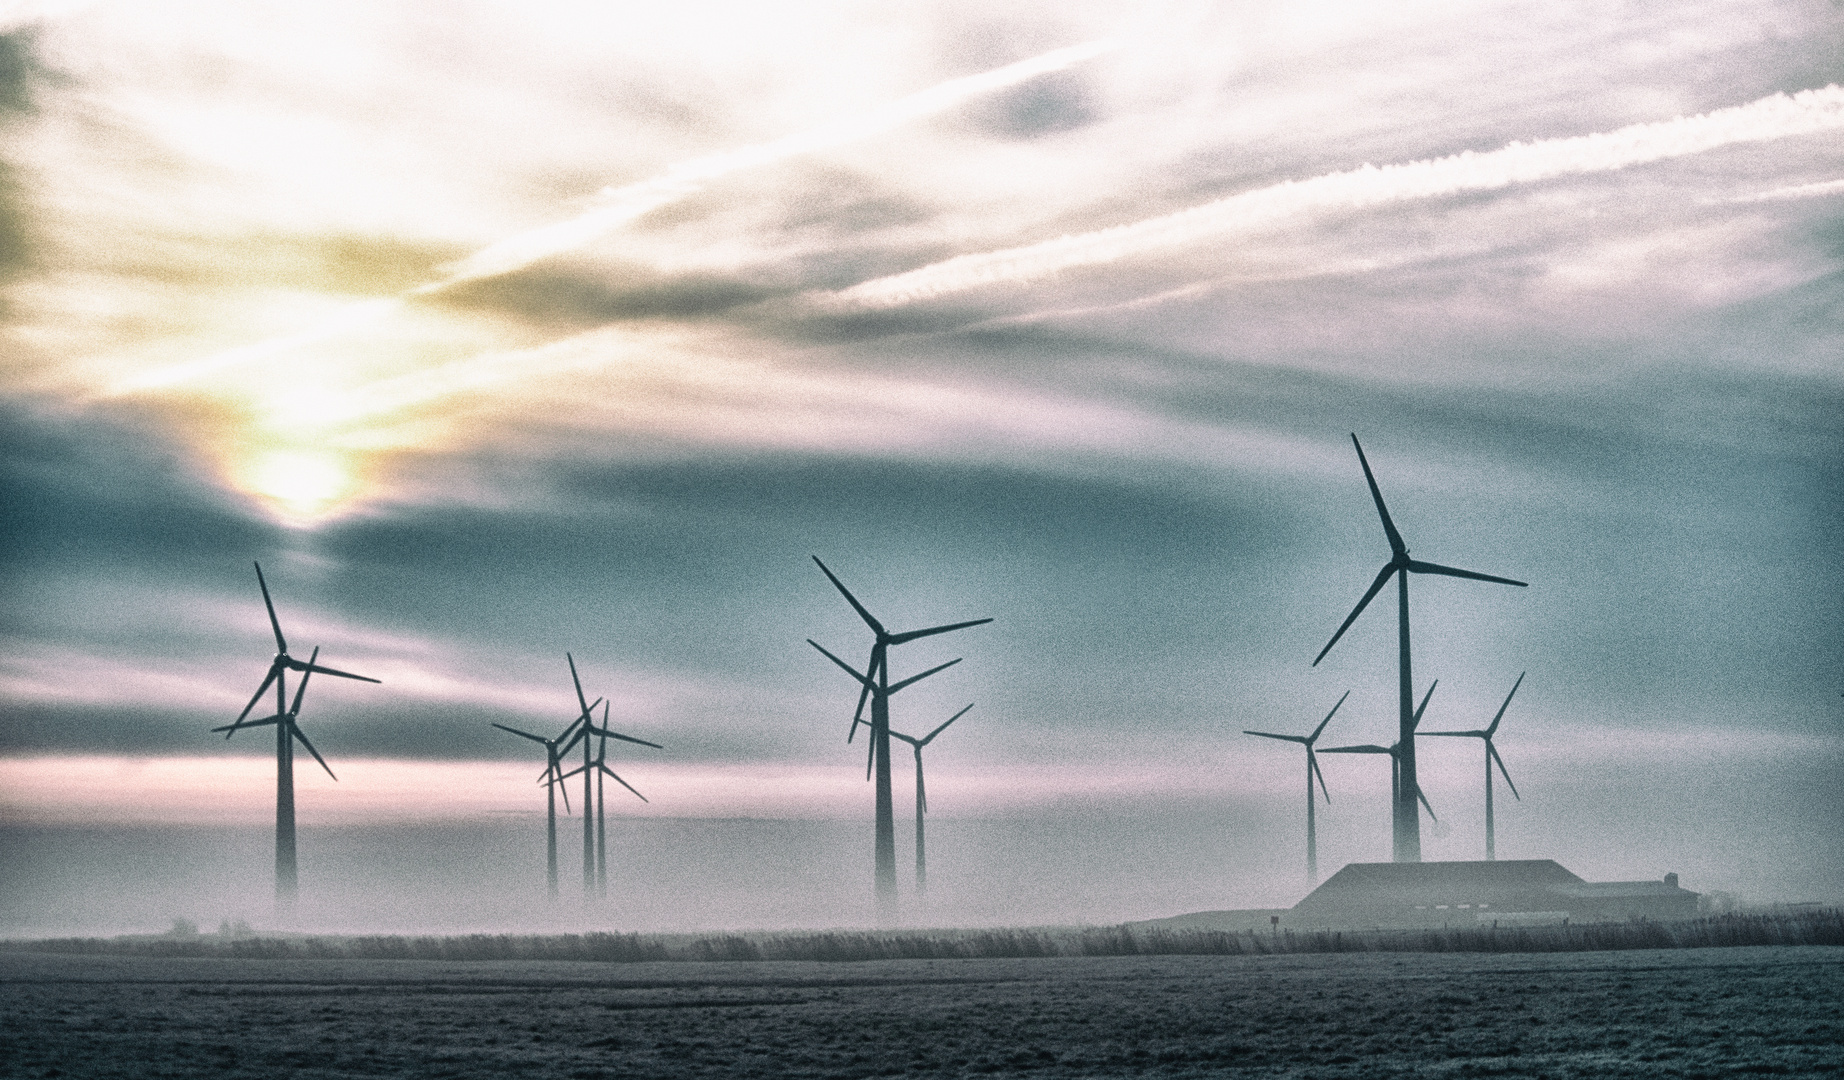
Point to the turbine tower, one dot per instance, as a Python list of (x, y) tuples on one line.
[(1312, 769), (553, 771), (286, 734), (877, 688), (598, 767), (922, 794), (1406, 846), (1491, 755), (1400, 788)]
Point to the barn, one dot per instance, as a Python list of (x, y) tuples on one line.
[(1512, 891)]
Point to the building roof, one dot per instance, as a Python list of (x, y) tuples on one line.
[(1368, 884)]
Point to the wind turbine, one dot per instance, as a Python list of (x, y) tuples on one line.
[(598, 767), (286, 732), (553, 771), (1491, 755), (1401, 787), (1312, 769), (1406, 820), (877, 688), (922, 793)]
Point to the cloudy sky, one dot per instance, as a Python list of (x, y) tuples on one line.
[(495, 331)]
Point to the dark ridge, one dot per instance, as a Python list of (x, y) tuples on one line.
[(1821, 927)]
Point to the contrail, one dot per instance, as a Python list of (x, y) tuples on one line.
[(624, 204), (1798, 191), (1775, 117)]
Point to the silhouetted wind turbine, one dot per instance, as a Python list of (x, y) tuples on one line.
[(1399, 785), (922, 793), (553, 771), (286, 877), (1312, 769), (877, 688), (1405, 819), (1491, 755), (599, 767)]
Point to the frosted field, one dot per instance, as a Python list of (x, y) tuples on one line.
[(1692, 1013)]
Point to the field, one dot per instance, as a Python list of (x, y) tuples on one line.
[(1768, 1010)]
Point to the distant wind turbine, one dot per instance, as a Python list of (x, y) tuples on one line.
[(286, 733), (1401, 786), (1491, 755), (599, 768), (877, 688), (1312, 769), (1406, 820), (552, 781), (922, 794)]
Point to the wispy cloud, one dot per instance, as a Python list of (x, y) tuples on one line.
[(623, 205), (1776, 117)]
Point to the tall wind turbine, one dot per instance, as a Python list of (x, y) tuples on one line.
[(598, 766), (1491, 755), (922, 793), (877, 688), (1312, 769), (286, 733), (582, 734), (552, 781), (1400, 786), (1406, 820)]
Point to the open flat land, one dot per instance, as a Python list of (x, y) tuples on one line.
[(1692, 1013)]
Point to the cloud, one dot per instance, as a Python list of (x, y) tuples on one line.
[(1776, 117)]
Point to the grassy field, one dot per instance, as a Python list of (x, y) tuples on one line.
[(1716, 1012)]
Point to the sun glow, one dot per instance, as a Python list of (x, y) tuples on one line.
[(302, 483)]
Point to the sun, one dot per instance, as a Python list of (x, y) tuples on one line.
[(302, 483)]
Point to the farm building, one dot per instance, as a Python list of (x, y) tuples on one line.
[(1473, 893)]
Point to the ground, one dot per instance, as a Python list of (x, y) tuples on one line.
[(1690, 1013)]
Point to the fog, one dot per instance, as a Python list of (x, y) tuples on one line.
[(1095, 860)]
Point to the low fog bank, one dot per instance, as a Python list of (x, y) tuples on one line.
[(687, 875)]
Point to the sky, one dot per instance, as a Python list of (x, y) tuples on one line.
[(498, 331)]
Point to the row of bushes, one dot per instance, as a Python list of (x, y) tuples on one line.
[(1825, 927)]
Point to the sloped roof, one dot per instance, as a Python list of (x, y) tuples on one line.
[(1366, 885), (1614, 890)]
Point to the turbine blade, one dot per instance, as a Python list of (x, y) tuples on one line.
[(911, 635), (869, 620), (1389, 527), (1375, 587), (624, 783), (1301, 739), (1416, 566), (1367, 748), (264, 722), (910, 739), (1425, 804), (524, 734), (580, 702), (329, 671), (281, 644), (1312, 760), (1415, 722), (864, 694), (944, 726), (921, 788), (564, 790), (296, 732), (1328, 719), (561, 777), (1467, 734), (870, 758), (1493, 730), (607, 734), (1493, 750), (274, 670), (301, 688), (924, 675), (849, 670)]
